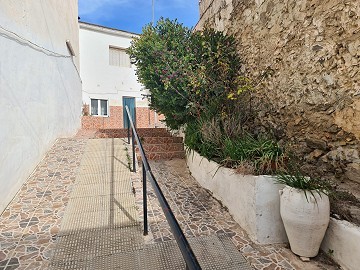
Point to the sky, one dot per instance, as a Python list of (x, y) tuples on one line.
[(132, 15)]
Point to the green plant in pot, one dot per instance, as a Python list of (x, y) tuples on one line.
[(305, 211)]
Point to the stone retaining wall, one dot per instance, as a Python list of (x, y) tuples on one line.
[(304, 57)]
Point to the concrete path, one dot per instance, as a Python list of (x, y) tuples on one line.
[(100, 219), (78, 211)]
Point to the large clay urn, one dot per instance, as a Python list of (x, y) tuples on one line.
[(305, 218)]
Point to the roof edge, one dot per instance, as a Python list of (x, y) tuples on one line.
[(105, 29)]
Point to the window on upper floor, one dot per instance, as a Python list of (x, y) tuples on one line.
[(119, 57), (99, 107)]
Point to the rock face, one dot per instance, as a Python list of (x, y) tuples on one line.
[(304, 57)]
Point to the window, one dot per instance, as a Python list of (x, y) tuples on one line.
[(119, 57), (99, 107)]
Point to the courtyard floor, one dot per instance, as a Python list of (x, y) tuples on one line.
[(31, 226)]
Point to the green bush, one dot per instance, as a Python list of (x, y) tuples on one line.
[(194, 140), (195, 80), (162, 55), (266, 155), (190, 76)]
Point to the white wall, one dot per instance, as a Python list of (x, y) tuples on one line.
[(40, 92), (342, 240), (101, 80), (253, 201)]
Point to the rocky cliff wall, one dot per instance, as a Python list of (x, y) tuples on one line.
[(304, 57)]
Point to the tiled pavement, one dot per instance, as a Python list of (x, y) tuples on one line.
[(30, 224), (199, 214), (29, 227)]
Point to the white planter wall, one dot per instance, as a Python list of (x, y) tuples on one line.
[(343, 238), (253, 201)]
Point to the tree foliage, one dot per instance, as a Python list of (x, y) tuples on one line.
[(190, 75), (161, 55)]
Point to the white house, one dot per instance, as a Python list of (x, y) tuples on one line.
[(109, 79), (40, 86)]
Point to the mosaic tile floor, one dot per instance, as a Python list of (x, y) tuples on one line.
[(30, 225), (199, 214)]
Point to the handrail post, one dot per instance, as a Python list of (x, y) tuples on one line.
[(144, 200), (133, 150), (128, 129)]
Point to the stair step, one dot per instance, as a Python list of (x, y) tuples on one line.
[(162, 147), (122, 132), (157, 140), (163, 155), (153, 132)]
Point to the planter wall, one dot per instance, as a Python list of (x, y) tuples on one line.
[(343, 238), (253, 201)]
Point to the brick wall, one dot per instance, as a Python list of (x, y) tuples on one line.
[(144, 118)]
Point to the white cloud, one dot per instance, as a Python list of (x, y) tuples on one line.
[(88, 7)]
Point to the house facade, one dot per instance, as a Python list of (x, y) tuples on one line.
[(109, 80), (40, 85)]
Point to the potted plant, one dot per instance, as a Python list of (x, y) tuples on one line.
[(305, 211)]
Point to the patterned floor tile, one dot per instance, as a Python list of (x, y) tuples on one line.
[(199, 214), (29, 227)]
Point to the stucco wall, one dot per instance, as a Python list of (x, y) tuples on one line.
[(100, 79), (104, 81), (304, 58), (40, 87), (253, 201)]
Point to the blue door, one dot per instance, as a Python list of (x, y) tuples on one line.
[(130, 102)]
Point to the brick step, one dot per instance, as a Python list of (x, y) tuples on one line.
[(163, 155), (162, 147), (153, 132), (111, 133), (122, 133), (157, 140)]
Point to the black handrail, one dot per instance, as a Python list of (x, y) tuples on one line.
[(187, 252)]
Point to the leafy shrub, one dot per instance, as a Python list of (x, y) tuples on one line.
[(194, 140), (190, 76), (195, 80), (162, 55)]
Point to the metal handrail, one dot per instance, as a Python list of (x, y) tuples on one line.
[(187, 252)]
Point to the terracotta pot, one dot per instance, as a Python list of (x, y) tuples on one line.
[(305, 219)]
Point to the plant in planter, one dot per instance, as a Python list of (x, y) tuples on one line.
[(265, 155), (305, 211)]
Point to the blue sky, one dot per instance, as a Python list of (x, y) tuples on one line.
[(132, 15)]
